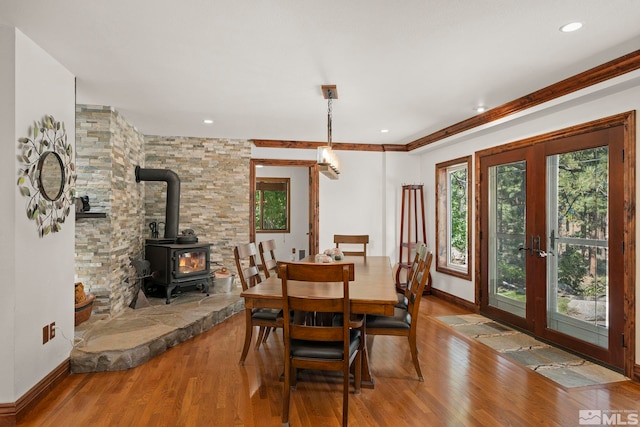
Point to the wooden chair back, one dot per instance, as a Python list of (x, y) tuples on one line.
[(351, 239), (318, 346), (405, 321), (268, 257), (315, 273), (245, 256), (421, 255), (265, 318), (417, 285)]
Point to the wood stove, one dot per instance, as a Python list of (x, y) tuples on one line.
[(178, 266), (176, 262)]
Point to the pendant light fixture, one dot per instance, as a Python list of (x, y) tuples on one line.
[(328, 162)]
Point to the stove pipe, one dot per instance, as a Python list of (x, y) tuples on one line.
[(172, 211)]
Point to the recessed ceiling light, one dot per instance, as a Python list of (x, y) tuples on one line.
[(207, 121), (480, 109), (384, 130), (572, 26)]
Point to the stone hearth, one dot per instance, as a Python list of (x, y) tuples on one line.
[(133, 337)]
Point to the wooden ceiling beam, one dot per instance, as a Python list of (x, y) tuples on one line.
[(601, 73), (609, 70)]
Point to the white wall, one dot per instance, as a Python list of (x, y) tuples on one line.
[(37, 272), (607, 99), (353, 203), (401, 169), (364, 200), (299, 208), (7, 232)]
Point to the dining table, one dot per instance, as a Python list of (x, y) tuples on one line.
[(372, 291)]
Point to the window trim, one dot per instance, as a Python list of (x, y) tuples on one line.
[(442, 218), (275, 181)]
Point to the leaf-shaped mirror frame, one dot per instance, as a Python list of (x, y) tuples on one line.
[(46, 176)]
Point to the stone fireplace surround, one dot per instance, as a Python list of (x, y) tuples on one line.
[(214, 185)]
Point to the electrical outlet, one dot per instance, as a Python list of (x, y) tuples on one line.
[(45, 334), (52, 330)]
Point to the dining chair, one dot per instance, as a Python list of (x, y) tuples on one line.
[(421, 254), (264, 318), (267, 250), (335, 346), (352, 239), (404, 322)]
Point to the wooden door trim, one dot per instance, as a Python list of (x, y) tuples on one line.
[(628, 121), (314, 199)]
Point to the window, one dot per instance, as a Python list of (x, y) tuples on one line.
[(272, 205), (453, 235)]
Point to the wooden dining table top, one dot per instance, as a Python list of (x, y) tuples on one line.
[(371, 292)]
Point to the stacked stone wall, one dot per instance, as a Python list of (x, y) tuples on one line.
[(214, 202), (107, 150), (214, 186)]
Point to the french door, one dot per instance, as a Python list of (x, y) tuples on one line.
[(552, 241)]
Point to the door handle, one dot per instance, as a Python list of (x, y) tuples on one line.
[(534, 249), (530, 248)]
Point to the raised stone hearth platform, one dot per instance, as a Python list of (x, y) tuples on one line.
[(135, 336)]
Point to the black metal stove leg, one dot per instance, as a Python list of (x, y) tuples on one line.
[(169, 290)]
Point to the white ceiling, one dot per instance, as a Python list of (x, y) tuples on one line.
[(255, 67)]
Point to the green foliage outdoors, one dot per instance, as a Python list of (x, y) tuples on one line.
[(458, 209), (572, 269), (582, 178), (271, 210)]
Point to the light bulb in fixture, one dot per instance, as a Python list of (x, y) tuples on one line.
[(572, 26)]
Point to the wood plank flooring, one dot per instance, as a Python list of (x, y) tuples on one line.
[(200, 383)]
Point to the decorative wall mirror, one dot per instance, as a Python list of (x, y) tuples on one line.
[(47, 174)]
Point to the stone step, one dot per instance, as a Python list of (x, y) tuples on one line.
[(133, 337)]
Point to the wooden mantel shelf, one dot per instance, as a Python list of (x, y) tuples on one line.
[(80, 215)]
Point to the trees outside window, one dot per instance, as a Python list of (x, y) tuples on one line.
[(453, 231), (272, 205)]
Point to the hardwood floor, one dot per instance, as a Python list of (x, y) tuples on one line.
[(200, 383)]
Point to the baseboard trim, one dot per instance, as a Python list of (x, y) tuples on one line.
[(455, 300), (636, 373), (10, 413)]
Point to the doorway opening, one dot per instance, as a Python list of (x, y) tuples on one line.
[(312, 202)]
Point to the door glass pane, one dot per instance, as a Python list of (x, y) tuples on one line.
[(507, 216), (577, 246)]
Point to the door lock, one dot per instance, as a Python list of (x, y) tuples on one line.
[(538, 251)]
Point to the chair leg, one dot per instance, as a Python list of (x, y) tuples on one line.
[(266, 334), (247, 336), (286, 392), (357, 379), (414, 356), (369, 342), (294, 377), (259, 340), (345, 394)]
